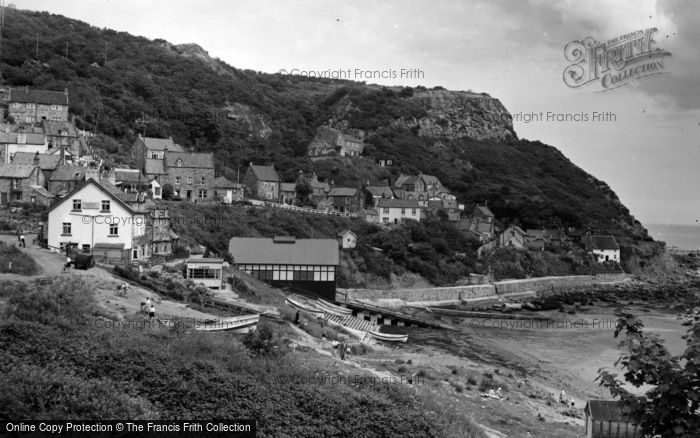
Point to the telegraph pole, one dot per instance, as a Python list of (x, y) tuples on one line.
[(2, 22)]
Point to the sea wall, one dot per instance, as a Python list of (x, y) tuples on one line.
[(456, 293)]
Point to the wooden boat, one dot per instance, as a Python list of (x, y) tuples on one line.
[(301, 303), (386, 337), (235, 324), (332, 308)]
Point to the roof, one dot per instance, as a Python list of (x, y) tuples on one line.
[(397, 203), (108, 246), (351, 138), (265, 173), (482, 210), (604, 242), (191, 159), (607, 410), (118, 193), (288, 187), (42, 191), (482, 227), (435, 204), (344, 232), (342, 191), (369, 212), (298, 252), (515, 228), (46, 161), (68, 172), (431, 180), (16, 170), (59, 128), (401, 180), (29, 138), (29, 95), (205, 260), (380, 191), (224, 183), (155, 166), (159, 144), (130, 175), (102, 185)]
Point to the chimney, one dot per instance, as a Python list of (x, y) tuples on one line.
[(36, 159)]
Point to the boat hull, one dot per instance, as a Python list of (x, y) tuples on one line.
[(297, 304), (388, 338), (236, 324)]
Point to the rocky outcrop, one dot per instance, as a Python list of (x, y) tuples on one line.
[(456, 114), (254, 121)]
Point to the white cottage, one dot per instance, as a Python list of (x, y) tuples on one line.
[(604, 248), (347, 239), (93, 215)]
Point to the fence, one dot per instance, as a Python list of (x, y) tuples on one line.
[(295, 208)]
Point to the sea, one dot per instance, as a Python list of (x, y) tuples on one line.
[(680, 236)]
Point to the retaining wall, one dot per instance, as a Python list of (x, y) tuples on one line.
[(456, 293)]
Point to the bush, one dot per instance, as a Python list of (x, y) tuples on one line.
[(126, 272), (22, 263), (262, 342)]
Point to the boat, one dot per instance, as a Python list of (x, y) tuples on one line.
[(234, 324), (301, 303), (332, 308), (386, 337)]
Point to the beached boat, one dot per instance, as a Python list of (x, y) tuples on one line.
[(235, 324), (301, 303), (332, 308), (386, 337)]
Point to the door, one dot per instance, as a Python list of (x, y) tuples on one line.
[(3, 198), (189, 195)]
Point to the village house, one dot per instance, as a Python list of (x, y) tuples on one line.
[(393, 211), (371, 216), (538, 238), (190, 174), (21, 140), (131, 180), (604, 248), (21, 183), (345, 199), (46, 162), (288, 193), (513, 236), (379, 192), (206, 271), (62, 135), (227, 190), (483, 213), (149, 148), (303, 265), (609, 419), (347, 239), (27, 105), (319, 189), (263, 182), (92, 214), (477, 228), (329, 140), (65, 178)]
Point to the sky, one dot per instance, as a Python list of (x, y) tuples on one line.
[(646, 147)]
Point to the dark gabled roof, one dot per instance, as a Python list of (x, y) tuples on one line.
[(115, 191), (482, 210), (298, 252), (28, 95), (155, 167), (265, 173), (42, 191), (16, 170), (342, 192), (68, 172), (431, 180), (288, 187), (380, 191), (607, 410), (159, 144), (59, 128), (222, 182), (341, 233), (102, 186), (603, 242), (397, 203), (46, 161), (29, 138), (435, 204), (130, 176), (191, 159)]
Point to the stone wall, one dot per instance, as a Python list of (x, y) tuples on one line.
[(456, 293)]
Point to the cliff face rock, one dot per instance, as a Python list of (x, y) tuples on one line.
[(252, 119), (456, 114)]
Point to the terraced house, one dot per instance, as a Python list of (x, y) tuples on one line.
[(191, 174), (26, 105), (263, 182), (19, 183)]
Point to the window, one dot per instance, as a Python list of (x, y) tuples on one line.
[(157, 191), (113, 229), (154, 155), (189, 180), (385, 220), (202, 194), (179, 162), (66, 229), (385, 210), (29, 119), (77, 205), (204, 180), (31, 106), (105, 205), (56, 107), (403, 211), (16, 184), (264, 185), (177, 180), (413, 211)]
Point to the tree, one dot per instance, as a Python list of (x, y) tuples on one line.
[(670, 408), (167, 192), (304, 191)]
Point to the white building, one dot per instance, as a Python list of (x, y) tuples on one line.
[(604, 248), (92, 214), (393, 211), (13, 142), (347, 239), (206, 271)]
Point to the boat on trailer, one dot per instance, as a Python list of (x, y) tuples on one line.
[(301, 303), (332, 308), (386, 337), (234, 324)]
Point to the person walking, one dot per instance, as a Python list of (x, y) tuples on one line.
[(152, 312), (296, 318), (21, 241)]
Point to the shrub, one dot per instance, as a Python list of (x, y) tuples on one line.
[(262, 342), (125, 272), (21, 262)]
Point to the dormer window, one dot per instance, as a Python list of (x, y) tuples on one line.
[(179, 162)]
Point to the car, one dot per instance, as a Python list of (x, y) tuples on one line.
[(82, 261)]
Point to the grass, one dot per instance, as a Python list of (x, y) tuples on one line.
[(14, 260)]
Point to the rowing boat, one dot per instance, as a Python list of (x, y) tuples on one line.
[(235, 324), (388, 337), (296, 302), (332, 308)]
